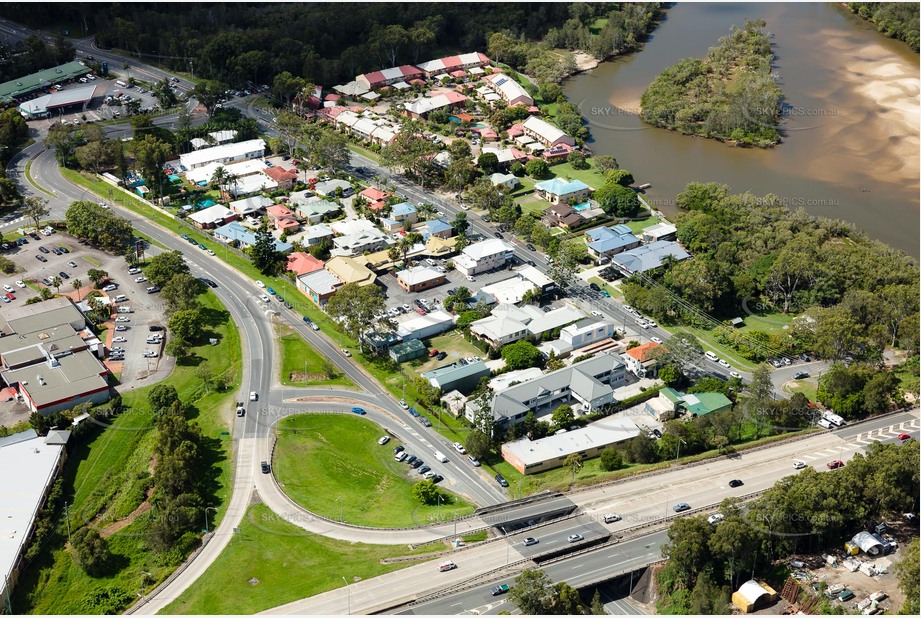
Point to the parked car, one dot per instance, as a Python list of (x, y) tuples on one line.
[(433, 352), (501, 480), (716, 518), (425, 421), (799, 375), (473, 460), (441, 356)]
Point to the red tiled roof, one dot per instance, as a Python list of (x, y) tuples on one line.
[(279, 174), (302, 263), (278, 211), (332, 97), (374, 194), (644, 352), (458, 73)]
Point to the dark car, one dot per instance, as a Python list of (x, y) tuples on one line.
[(280, 298), (441, 356), (530, 247), (41, 258), (417, 463), (360, 411), (437, 479), (266, 468), (595, 287), (425, 421), (681, 506), (155, 329), (530, 263), (209, 283), (735, 483), (799, 375), (289, 306), (44, 249), (306, 320), (63, 249), (423, 469), (500, 589), (411, 459), (64, 275), (498, 235), (501, 480), (399, 449)]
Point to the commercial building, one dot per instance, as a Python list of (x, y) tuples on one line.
[(559, 191), (212, 217), (72, 99), (387, 77), (587, 332), (407, 351), (483, 256), (420, 278), (226, 153), (425, 326), (460, 376), (350, 271), (587, 386), (42, 79), (202, 176), (607, 241), (649, 257), (531, 456), (450, 64), (423, 106), (318, 286), (49, 355), (509, 90), (753, 595), (509, 323), (546, 133), (31, 464)]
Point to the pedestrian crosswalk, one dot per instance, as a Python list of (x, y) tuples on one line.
[(862, 440)]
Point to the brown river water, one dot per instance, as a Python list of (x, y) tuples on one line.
[(850, 145)]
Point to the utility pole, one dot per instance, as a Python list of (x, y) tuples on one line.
[(206, 516)]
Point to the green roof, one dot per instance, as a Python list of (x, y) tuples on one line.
[(706, 403), (15, 87), (413, 345), (671, 394)]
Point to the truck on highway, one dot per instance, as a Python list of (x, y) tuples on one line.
[(833, 418)]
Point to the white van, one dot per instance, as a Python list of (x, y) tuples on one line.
[(125, 310), (824, 423), (446, 566), (121, 298), (441, 457), (711, 356), (122, 84), (833, 418)]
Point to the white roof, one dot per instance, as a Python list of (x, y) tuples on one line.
[(497, 328), (252, 184), (508, 87), (509, 290), (486, 248), (223, 136), (353, 88), (238, 169), (554, 319), (385, 134), (422, 322), (34, 463), (504, 155), (348, 118), (504, 380), (544, 129), (418, 274), (751, 591), (660, 229), (251, 204), (214, 214), (352, 226), (225, 151), (535, 276), (599, 434), (198, 142)]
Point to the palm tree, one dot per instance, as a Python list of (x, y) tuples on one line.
[(77, 284), (219, 177), (56, 283), (96, 276), (408, 242)]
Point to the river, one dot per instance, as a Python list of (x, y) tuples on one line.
[(851, 138)]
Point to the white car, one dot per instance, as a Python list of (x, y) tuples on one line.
[(460, 448), (253, 396), (8, 288), (264, 298), (110, 288), (597, 313), (121, 327), (346, 352), (260, 284), (20, 284), (735, 374), (134, 271), (404, 405), (72, 264), (119, 339), (210, 252), (140, 279), (715, 518), (122, 318), (655, 340), (799, 465), (652, 323), (723, 363)]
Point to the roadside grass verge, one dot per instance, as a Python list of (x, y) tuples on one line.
[(104, 481), (300, 359), (808, 388), (270, 562), (332, 465), (709, 342)]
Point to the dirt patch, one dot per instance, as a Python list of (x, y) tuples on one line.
[(584, 61), (299, 376)]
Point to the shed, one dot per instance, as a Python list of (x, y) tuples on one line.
[(407, 351), (753, 595), (737, 322)]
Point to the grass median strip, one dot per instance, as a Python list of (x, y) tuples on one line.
[(270, 562), (332, 465), (301, 365)]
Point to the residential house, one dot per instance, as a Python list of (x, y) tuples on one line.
[(449, 64), (587, 332), (249, 185), (532, 456), (587, 386), (301, 263), (603, 242), (251, 205), (460, 376), (509, 90), (233, 232), (660, 231), (227, 153), (402, 217), (509, 181), (376, 198), (648, 257), (423, 106), (483, 256), (387, 77), (552, 320), (349, 271), (366, 238), (546, 133), (212, 217), (282, 177), (283, 219), (332, 187), (506, 156), (671, 404), (557, 190), (642, 360), (311, 208), (438, 228), (420, 278), (317, 233), (562, 215), (499, 331)]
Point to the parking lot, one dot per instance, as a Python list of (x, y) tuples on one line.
[(127, 329), (97, 109)]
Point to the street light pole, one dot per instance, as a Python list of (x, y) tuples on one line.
[(348, 590), (680, 442), (339, 500)]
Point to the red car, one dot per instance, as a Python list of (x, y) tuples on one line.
[(902, 436), (421, 311), (835, 463), (10, 296), (433, 353)]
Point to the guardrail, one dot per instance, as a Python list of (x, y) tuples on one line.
[(172, 576)]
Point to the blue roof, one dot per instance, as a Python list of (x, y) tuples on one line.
[(606, 239), (402, 209), (558, 186), (456, 371), (235, 231), (649, 256), (437, 225)]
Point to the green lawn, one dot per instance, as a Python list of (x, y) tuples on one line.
[(332, 465), (769, 322), (709, 342), (102, 484), (534, 205), (308, 365), (638, 226), (270, 562), (453, 343), (806, 387), (592, 177)]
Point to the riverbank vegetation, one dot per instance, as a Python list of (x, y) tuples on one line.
[(729, 95), (707, 562), (853, 296), (897, 20)]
